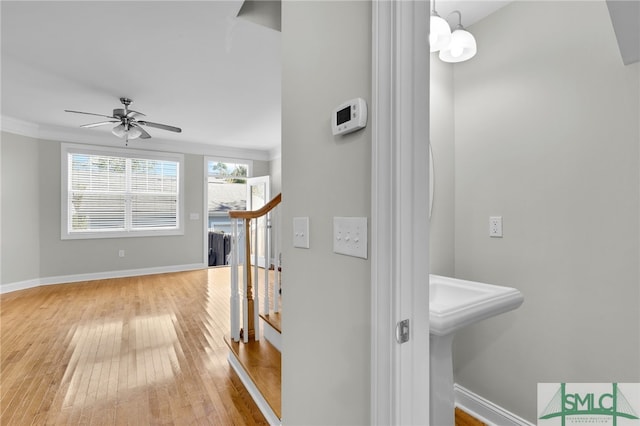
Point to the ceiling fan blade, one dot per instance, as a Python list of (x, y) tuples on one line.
[(143, 132), (102, 123), (134, 114), (160, 126), (90, 113)]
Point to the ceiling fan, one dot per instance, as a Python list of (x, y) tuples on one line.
[(129, 124)]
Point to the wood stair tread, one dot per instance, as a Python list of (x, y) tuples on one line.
[(262, 363), (274, 319)]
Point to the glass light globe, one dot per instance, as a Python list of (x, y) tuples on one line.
[(119, 131), (439, 33), (134, 132), (456, 51), (462, 47)]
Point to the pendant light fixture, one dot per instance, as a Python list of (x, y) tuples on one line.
[(439, 31), (462, 46)]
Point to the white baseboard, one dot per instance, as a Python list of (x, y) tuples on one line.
[(62, 279), (262, 404), (19, 285), (485, 410)]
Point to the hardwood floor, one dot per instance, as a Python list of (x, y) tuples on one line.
[(262, 362), (141, 350), (138, 351), (275, 319), (465, 419)]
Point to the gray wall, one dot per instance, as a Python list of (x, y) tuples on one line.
[(441, 228), (32, 247), (20, 209), (547, 135), (272, 168), (261, 168), (275, 173), (326, 347)]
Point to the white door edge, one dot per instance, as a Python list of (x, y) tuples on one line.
[(399, 225)]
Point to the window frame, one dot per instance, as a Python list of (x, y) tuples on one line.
[(67, 234)]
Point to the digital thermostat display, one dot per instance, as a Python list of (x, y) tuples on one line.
[(344, 115), (349, 117)]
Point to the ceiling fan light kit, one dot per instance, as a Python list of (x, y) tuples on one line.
[(121, 131), (129, 125)]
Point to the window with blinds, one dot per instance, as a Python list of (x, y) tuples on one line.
[(112, 195)]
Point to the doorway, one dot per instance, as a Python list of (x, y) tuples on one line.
[(229, 186), (225, 190)]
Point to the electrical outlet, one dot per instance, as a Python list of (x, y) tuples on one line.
[(495, 226), (120, 253)]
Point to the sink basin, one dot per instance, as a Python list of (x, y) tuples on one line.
[(454, 303)]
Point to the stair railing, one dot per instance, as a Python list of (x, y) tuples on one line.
[(244, 230)]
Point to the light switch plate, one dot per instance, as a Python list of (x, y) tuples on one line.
[(301, 232), (350, 236)]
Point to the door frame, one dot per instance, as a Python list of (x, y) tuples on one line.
[(400, 236), (254, 181)]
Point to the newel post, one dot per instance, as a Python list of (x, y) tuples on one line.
[(251, 332)]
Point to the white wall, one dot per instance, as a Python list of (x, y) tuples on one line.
[(0, 210), (32, 251), (441, 128), (275, 174), (20, 209), (326, 347), (547, 135), (32, 248), (261, 168), (67, 257)]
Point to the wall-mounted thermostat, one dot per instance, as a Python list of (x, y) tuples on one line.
[(349, 117)]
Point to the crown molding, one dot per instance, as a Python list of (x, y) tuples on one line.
[(62, 134), (19, 127)]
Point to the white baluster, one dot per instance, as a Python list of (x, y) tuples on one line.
[(234, 298), (267, 262), (256, 280), (278, 265)]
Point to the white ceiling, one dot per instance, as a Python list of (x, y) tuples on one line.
[(471, 10), (190, 64)]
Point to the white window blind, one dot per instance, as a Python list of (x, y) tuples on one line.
[(110, 195)]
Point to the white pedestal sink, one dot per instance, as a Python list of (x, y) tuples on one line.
[(453, 304)]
